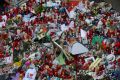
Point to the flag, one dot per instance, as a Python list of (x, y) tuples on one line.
[(83, 33), (60, 60), (97, 39), (78, 48)]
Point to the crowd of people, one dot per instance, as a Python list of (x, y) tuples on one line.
[(39, 38)]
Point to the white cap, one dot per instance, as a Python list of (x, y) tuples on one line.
[(111, 57)]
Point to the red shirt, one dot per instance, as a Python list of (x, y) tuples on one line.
[(117, 44), (81, 16), (1, 55), (104, 21)]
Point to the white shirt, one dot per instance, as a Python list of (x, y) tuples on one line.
[(63, 27), (72, 14), (88, 21), (4, 17), (81, 7), (100, 23), (71, 25), (49, 4), (30, 74), (2, 24), (26, 18)]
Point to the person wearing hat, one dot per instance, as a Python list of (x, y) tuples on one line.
[(30, 73), (111, 61)]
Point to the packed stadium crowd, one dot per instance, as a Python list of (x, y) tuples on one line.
[(57, 39)]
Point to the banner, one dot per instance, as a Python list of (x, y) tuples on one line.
[(95, 63)]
